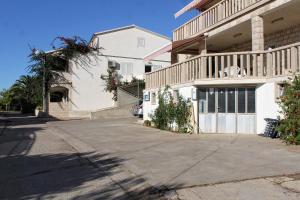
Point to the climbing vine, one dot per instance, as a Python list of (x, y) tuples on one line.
[(112, 81)]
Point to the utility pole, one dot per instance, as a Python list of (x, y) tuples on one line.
[(45, 89), (138, 92)]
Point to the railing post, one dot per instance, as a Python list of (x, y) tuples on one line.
[(199, 68), (235, 64), (222, 66), (203, 67), (269, 64), (216, 67), (210, 66), (254, 65), (284, 71), (260, 65), (294, 59), (193, 70), (288, 61), (242, 65), (248, 61), (279, 71)]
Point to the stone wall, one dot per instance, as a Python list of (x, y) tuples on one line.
[(59, 109), (274, 40)]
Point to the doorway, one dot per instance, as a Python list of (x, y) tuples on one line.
[(227, 110)]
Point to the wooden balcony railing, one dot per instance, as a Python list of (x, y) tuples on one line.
[(224, 66), (223, 10)]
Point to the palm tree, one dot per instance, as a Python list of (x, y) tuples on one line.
[(23, 87), (26, 92)]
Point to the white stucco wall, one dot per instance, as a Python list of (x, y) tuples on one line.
[(185, 92), (88, 88), (148, 107), (131, 46), (266, 106), (87, 92)]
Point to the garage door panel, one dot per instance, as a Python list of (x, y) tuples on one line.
[(207, 123), (246, 123), (226, 123)]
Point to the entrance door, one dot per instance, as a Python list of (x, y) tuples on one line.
[(227, 110), (226, 117), (207, 110)]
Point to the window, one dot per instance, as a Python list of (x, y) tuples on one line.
[(153, 98), (241, 100), (221, 101), (251, 100), (141, 42), (231, 100), (113, 64), (129, 68), (59, 96), (202, 100), (147, 96), (126, 68), (211, 101), (148, 68), (156, 67), (56, 97), (123, 68)]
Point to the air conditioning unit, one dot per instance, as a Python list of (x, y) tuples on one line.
[(112, 64)]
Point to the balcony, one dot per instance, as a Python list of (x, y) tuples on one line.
[(216, 15), (62, 77), (254, 65)]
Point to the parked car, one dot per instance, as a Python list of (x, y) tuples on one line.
[(140, 110), (137, 109)]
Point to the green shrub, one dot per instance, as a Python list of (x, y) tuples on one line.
[(289, 127), (169, 113), (160, 118)]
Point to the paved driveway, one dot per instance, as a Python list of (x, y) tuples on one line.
[(168, 158), (134, 158)]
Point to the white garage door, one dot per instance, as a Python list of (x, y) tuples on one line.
[(227, 110)]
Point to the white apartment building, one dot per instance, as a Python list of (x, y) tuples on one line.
[(82, 91), (239, 54)]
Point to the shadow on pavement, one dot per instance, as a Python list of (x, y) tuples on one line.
[(71, 176), (62, 175)]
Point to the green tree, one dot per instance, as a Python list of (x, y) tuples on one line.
[(289, 127), (26, 91), (5, 99)]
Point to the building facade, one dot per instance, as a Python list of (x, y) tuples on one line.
[(82, 91), (239, 53)]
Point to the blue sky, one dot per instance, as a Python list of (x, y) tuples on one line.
[(36, 23)]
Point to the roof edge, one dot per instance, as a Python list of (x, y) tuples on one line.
[(129, 27)]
